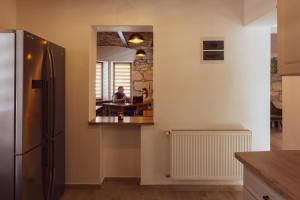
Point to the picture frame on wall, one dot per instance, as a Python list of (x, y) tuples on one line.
[(212, 50)]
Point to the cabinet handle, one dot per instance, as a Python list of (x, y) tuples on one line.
[(266, 197)]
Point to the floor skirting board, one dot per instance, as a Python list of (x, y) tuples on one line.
[(128, 180), (196, 188), (83, 186)]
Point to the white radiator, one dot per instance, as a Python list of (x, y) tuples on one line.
[(207, 154)]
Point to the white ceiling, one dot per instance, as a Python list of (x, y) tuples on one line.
[(269, 19), (260, 12)]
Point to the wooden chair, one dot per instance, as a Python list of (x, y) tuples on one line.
[(276, 116), (100, 111)]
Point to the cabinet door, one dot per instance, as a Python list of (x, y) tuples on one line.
[(248, 195), (288, 37), (258, 188)]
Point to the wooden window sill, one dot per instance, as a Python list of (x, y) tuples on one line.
[(127, 120)]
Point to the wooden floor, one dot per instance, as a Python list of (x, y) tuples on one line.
[(125, 191), (116, 190), (276, 140)]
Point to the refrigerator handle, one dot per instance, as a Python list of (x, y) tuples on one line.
[(53, 64), (49, 95), (46, 92), (50, 61), (47, 152), (53, 88)]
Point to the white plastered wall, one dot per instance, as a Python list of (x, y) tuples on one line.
[(187, 94)]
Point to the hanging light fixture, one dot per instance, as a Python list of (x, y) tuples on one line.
[(140, 53), (136, 38)]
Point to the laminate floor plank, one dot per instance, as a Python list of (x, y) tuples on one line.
[(276, 139), (125, 191)]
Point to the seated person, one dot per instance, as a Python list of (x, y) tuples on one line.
[(146, 97), (120, 96)]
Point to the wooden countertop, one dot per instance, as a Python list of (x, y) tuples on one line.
[(279, 169), (127, 120)]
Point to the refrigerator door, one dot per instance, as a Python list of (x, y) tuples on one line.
[(29, 173), (48, 113), (57, 97), (47, 169), (58, 184), (29, 91), (7, 111), (58, 60), (48, 100)]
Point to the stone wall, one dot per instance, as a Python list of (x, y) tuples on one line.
[(142, 69), (142, 72)]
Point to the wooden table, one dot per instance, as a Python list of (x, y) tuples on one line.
[(121, 107)]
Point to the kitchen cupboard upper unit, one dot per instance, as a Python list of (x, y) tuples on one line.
[(289, 37)]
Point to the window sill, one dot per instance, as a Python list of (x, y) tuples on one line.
[(126, 120)]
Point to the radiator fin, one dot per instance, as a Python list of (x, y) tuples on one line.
[(207, 155)]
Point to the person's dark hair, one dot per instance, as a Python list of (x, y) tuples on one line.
[(146, 91), (120, 87)]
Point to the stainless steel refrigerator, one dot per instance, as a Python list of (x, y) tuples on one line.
[(32, 117)]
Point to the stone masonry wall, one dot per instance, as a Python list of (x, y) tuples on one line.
[(142, 69), (142, 72)]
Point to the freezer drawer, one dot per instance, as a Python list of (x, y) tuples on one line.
[(29, 175), (58, 166)]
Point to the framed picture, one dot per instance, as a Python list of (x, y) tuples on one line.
[(212, 50)]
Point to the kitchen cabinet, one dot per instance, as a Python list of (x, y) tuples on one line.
[(289, 37), (256, 189), (271, 175)]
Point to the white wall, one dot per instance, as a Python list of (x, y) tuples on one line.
[(7, 14), (121, 146), (188, 94), (274, 45), (256, 9), (232, 95), (291, 110)]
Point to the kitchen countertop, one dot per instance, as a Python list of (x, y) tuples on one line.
[(279, 169), (127, 120)]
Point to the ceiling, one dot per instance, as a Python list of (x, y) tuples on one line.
[(113, 39), (124, 28)]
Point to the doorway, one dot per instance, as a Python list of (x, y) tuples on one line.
[(276, 96)]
